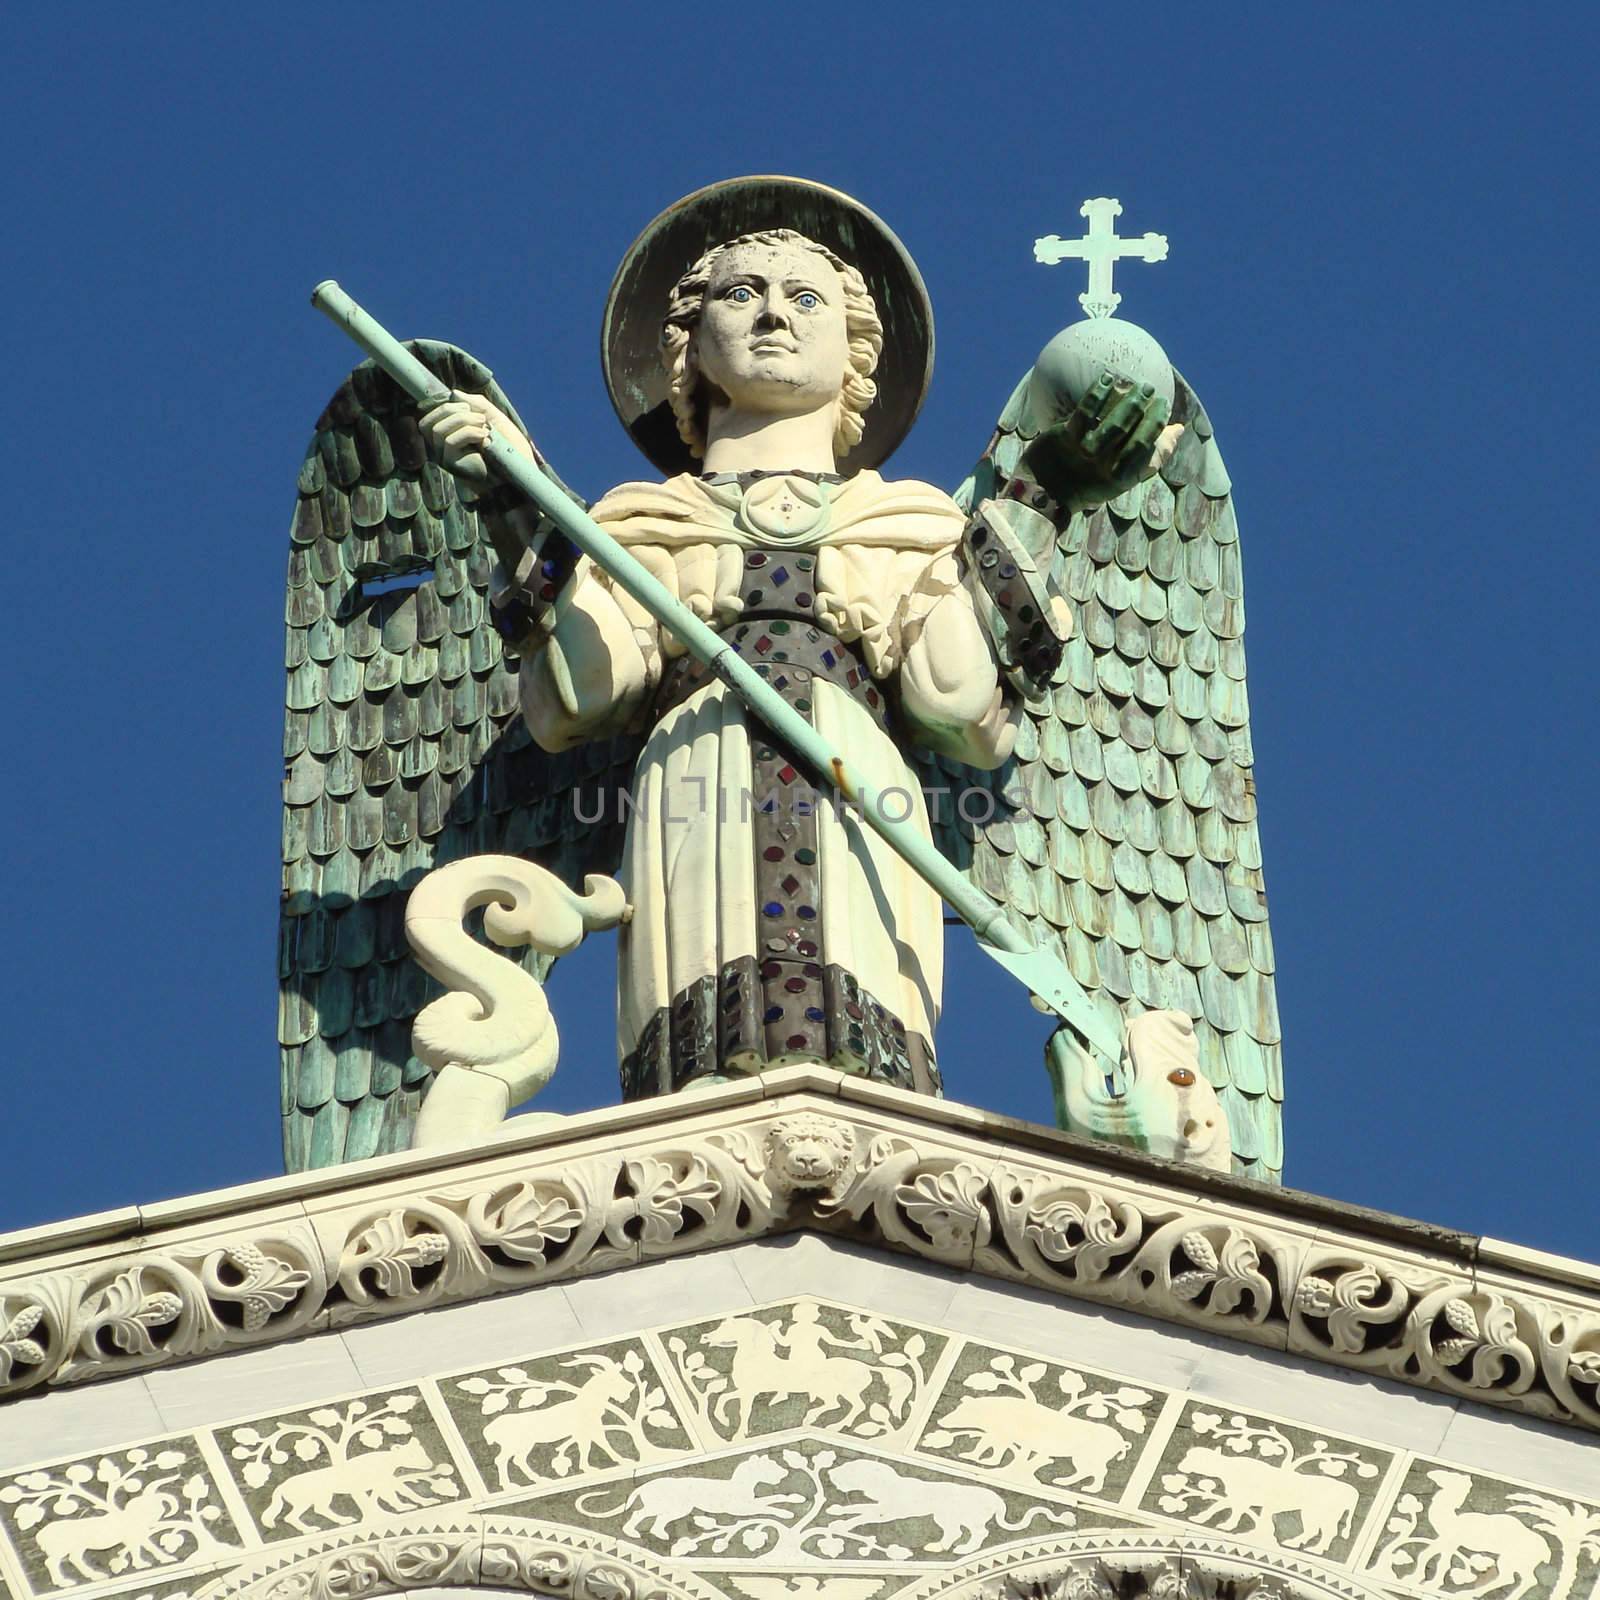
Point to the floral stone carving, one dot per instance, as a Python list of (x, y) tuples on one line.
[(1224, 1261)]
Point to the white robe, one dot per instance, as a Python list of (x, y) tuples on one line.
[(887, 580)]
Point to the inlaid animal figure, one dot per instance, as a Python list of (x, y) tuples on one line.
[(1257, 1492), (653, 1507), (371, 1483), (130, 1527), (964, 1513), (1006, 1429), (579, 1419), (835, 1386), (1517, 1550)]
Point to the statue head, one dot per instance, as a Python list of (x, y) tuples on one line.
[(658, 368), (771, 321)]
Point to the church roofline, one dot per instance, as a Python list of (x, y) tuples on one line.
[(145, 1286)]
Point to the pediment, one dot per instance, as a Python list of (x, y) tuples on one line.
[(810, 1331), (803, 1149)]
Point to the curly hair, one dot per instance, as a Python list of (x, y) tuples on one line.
[(863, 330)]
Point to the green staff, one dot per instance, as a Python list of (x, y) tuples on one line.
[(1043, 972)]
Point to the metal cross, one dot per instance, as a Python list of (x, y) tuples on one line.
[(1100, 247)]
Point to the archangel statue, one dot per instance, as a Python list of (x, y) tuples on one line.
[(1045, 670)]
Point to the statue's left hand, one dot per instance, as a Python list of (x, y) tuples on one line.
[(458, 428), (1116, 436)]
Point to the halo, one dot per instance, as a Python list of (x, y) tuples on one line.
[(630, 336)]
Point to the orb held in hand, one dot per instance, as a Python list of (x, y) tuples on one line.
[(1070, 365)]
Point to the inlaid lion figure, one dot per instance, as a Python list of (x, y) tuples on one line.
[(964, 1513), (808, 1151), (654, 1507)]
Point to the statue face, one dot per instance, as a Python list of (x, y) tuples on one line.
[(771, 334)]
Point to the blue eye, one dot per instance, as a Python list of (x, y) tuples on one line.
[(807, 301), (740, 295)]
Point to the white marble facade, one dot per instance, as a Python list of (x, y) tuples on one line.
[(795, 1414)]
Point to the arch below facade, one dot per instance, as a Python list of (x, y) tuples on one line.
[(445, 1561)]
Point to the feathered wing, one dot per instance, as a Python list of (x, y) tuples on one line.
[(1125, 827), (403, 749)]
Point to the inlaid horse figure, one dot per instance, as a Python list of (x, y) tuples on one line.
[(834, 1387)]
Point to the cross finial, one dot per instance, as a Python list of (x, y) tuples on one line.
[(1100, 247)]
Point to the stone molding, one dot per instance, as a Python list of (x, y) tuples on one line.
[(804, 1149), (1136, 1565), (463, 1552), (510, 1554)]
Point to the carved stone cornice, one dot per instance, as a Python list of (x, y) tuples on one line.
[(803, 1148)]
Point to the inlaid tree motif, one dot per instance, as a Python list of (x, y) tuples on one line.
[(804, 1365), (125, 1513), (339, 1465), (1253, 1478)]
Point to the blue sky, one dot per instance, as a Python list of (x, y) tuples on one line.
[(1382, 230)]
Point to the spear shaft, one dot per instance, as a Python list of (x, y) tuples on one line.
[(1045, 975)]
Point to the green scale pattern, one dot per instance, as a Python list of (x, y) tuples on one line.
[(1125, 827), (402, 750)]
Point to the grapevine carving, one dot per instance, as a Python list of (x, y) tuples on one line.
[(1229, 1269)]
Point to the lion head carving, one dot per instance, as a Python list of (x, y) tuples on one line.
[(808, 1151)]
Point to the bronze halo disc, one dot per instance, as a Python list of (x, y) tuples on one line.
[(631, 332)]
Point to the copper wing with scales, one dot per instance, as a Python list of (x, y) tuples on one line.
[(1124, 829), (402, 750)]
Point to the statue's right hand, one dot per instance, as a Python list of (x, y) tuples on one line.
[(457, 429)]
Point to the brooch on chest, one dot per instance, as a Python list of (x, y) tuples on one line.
[(785, 510), (778, 508)]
